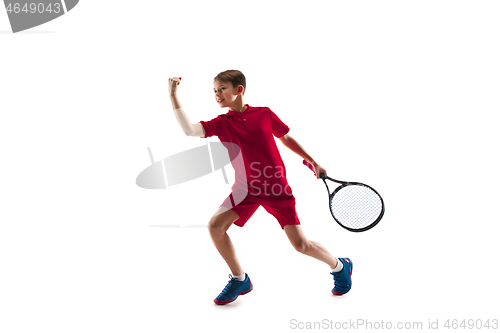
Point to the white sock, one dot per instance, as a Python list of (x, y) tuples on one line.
[(339, 266), (240, 277)]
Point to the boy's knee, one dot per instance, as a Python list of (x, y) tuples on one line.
[(216, 226), (302, 246), (212, 225)]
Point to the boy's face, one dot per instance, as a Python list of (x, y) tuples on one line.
[(225, 93)]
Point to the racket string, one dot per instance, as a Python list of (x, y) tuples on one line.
[(356, 206)]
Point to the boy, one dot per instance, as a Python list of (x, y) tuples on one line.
[(252, 130)]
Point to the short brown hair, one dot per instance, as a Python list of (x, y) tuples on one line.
[(234, 76)]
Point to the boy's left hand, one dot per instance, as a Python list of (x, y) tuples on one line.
[(318, 170)]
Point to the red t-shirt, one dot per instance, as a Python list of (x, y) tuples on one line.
[(263, 171)]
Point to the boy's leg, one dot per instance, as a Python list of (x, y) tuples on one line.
[(341, 275), (310, 248), (218, 225)]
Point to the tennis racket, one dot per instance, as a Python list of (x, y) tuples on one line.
[(355, 206)]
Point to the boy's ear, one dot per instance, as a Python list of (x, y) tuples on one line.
[(240, 89)]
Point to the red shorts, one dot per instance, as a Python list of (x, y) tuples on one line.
[(283, 209)]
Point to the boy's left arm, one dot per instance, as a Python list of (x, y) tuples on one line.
[(294, 146)]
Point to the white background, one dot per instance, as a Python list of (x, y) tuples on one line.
[(401, 95)]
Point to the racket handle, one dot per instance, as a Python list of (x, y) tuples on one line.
[(310, 166)]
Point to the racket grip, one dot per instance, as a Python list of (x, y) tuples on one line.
[(310, 166)]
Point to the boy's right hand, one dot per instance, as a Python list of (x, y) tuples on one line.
[(173, 82)]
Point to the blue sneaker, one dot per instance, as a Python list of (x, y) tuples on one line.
[(342, 279), (233, 289)]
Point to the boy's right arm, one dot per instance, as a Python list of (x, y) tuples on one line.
[(183, 120)]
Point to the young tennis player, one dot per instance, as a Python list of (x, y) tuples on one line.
[(252, 130)]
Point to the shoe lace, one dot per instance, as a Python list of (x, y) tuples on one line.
[(339, 281), (229, 285)]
